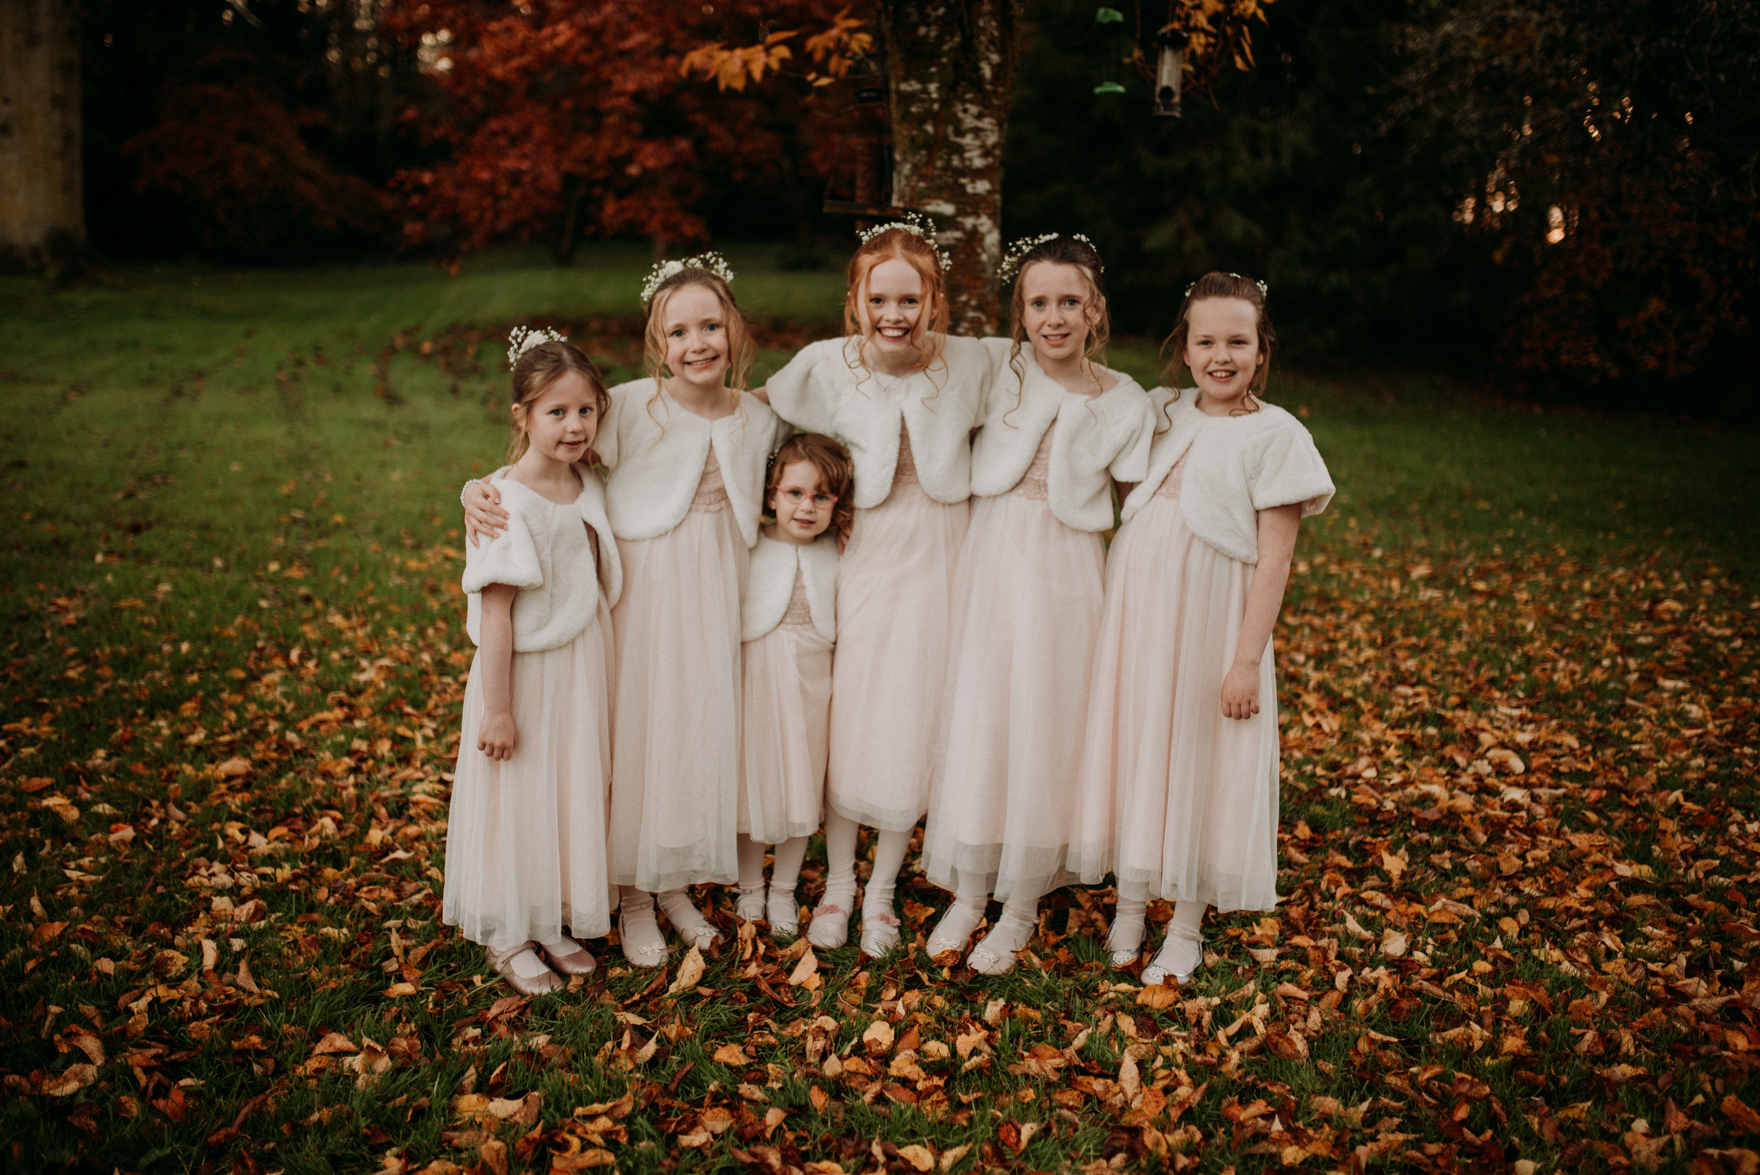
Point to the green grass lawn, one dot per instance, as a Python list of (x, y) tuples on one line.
[(1519, 831)]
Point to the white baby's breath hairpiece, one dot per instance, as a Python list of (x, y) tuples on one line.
[(917, 225), (524, 338), (1264, 290), (715, 263), (1011, 260)]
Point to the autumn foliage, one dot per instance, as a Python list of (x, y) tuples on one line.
[(564, 118), (1518, 835), (1604, 155), (233, 155)]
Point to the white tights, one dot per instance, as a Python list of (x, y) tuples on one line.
[(840, 858), (781, 907)]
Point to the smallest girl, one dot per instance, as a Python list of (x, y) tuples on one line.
[(525, 844), (789, 627)]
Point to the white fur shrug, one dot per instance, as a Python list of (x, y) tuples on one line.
[(545, 553), (1097, 436), (655, 451), (1239, 465), (770, 585), (825, 389)]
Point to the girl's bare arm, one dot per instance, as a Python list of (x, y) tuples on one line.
[(1277, 545), (497, 737)]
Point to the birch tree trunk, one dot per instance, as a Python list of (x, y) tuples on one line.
[(953, 71), (42, 199)]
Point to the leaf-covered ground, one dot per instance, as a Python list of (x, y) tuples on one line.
[(1519, 825)]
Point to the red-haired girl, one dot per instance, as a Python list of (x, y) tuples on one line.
[(902, 397)]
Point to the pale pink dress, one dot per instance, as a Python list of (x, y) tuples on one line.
[(1175, 795), (675, 712), (894, 598), (525, 837), (1029, 595), (787, 721)]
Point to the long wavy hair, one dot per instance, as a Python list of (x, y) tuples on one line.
[(741, 349), (1220, 285), (535, 371), (902, 245), (1060, 251)]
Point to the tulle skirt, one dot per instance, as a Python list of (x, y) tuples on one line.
[(1176, 796), (787, 704), (675, 713), (525, 837), (1028, 602), (894, 597)]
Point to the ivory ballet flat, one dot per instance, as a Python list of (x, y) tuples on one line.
[(501, 962), (829, 927), (879, 932), (579, 961)]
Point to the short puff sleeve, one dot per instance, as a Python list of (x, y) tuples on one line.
[(798, 394), (1132, 463), (1290, 470), (510, 558)]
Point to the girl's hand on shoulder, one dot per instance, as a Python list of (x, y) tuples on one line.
[(761, 395), (1240, 691), (497, 737), (483, 515)]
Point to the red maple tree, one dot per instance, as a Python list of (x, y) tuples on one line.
[(562, 118)]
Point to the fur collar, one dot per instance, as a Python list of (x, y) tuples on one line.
[(1238, 465), (1097, 437), (656, 451), (824, 389), (770, 585)]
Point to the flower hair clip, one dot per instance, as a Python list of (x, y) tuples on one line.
[(523, 338), (715, 263), (1264, 290), (1011, 260), (917, 225)]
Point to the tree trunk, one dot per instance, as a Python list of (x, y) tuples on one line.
[(953, 67), (42, 209), (574, 191)]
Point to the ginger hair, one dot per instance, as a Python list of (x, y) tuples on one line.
[(837, 470), (919, 253)]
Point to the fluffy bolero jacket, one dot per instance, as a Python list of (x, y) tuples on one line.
[(546, 553), (1238, 465), (655, 451), (770, 585), (1097, 437), (825, 389)]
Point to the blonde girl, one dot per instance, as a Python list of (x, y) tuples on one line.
[(790, 626), (902, 397), (525, 841), (1028, 598), (1180, 765), (686, 454)]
